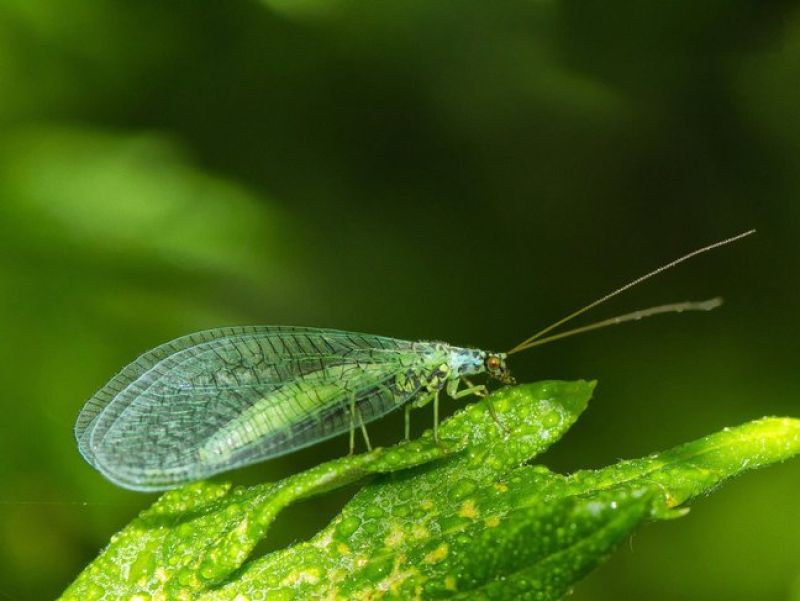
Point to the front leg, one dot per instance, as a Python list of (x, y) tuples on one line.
[(478, 390), (454, 393)]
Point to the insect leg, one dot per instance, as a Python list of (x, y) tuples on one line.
[(436, 417), (408, 409), (352, 425), (364, 430), (478, 390), (496, 419), (421, 401)]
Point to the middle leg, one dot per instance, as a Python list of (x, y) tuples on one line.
[(433, 395)]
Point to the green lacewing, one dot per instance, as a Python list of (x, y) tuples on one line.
[(229, 397)]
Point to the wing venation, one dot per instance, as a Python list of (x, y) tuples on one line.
[(229, 397)]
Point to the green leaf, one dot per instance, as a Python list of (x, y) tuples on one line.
[(465, 518)]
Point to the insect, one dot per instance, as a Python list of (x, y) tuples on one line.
[(224, 398)]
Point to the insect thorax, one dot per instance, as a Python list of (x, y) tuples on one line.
[(440, 363), (466, 361)]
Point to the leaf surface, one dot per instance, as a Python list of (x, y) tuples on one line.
[(468, 518)]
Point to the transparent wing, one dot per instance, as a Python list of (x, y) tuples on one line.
[(221, 399)]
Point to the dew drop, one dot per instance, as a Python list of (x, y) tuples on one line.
[(462, 488), (348, 526), (551, 419)]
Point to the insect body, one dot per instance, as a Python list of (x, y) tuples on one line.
[(225, 398)]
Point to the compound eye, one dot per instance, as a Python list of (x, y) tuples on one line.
[(493, 363)]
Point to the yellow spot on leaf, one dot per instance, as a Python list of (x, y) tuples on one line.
[(301, 576), (343, 549), (450, 583), (492, 522), (337, 575), (394, 581), (438, 554), (419, 532), (394, 538), (333, 595), (426, 504), (468, 510), (500, 487), (324, 541), (241, 529)]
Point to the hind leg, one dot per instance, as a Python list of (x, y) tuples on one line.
[(355, 413), (364, 430), (352, 426)]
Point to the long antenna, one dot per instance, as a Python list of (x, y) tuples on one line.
[(707, 305), (525, 343)]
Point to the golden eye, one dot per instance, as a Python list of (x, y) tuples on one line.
[(493, 363)]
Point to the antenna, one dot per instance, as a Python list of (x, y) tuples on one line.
[(707, 305), (527, 343)]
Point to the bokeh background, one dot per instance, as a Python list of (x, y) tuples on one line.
[(422, 169)]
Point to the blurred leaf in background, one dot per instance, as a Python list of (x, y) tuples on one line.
[(427, 170), (89, 281)]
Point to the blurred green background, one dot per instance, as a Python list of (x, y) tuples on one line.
[(467, 172)]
